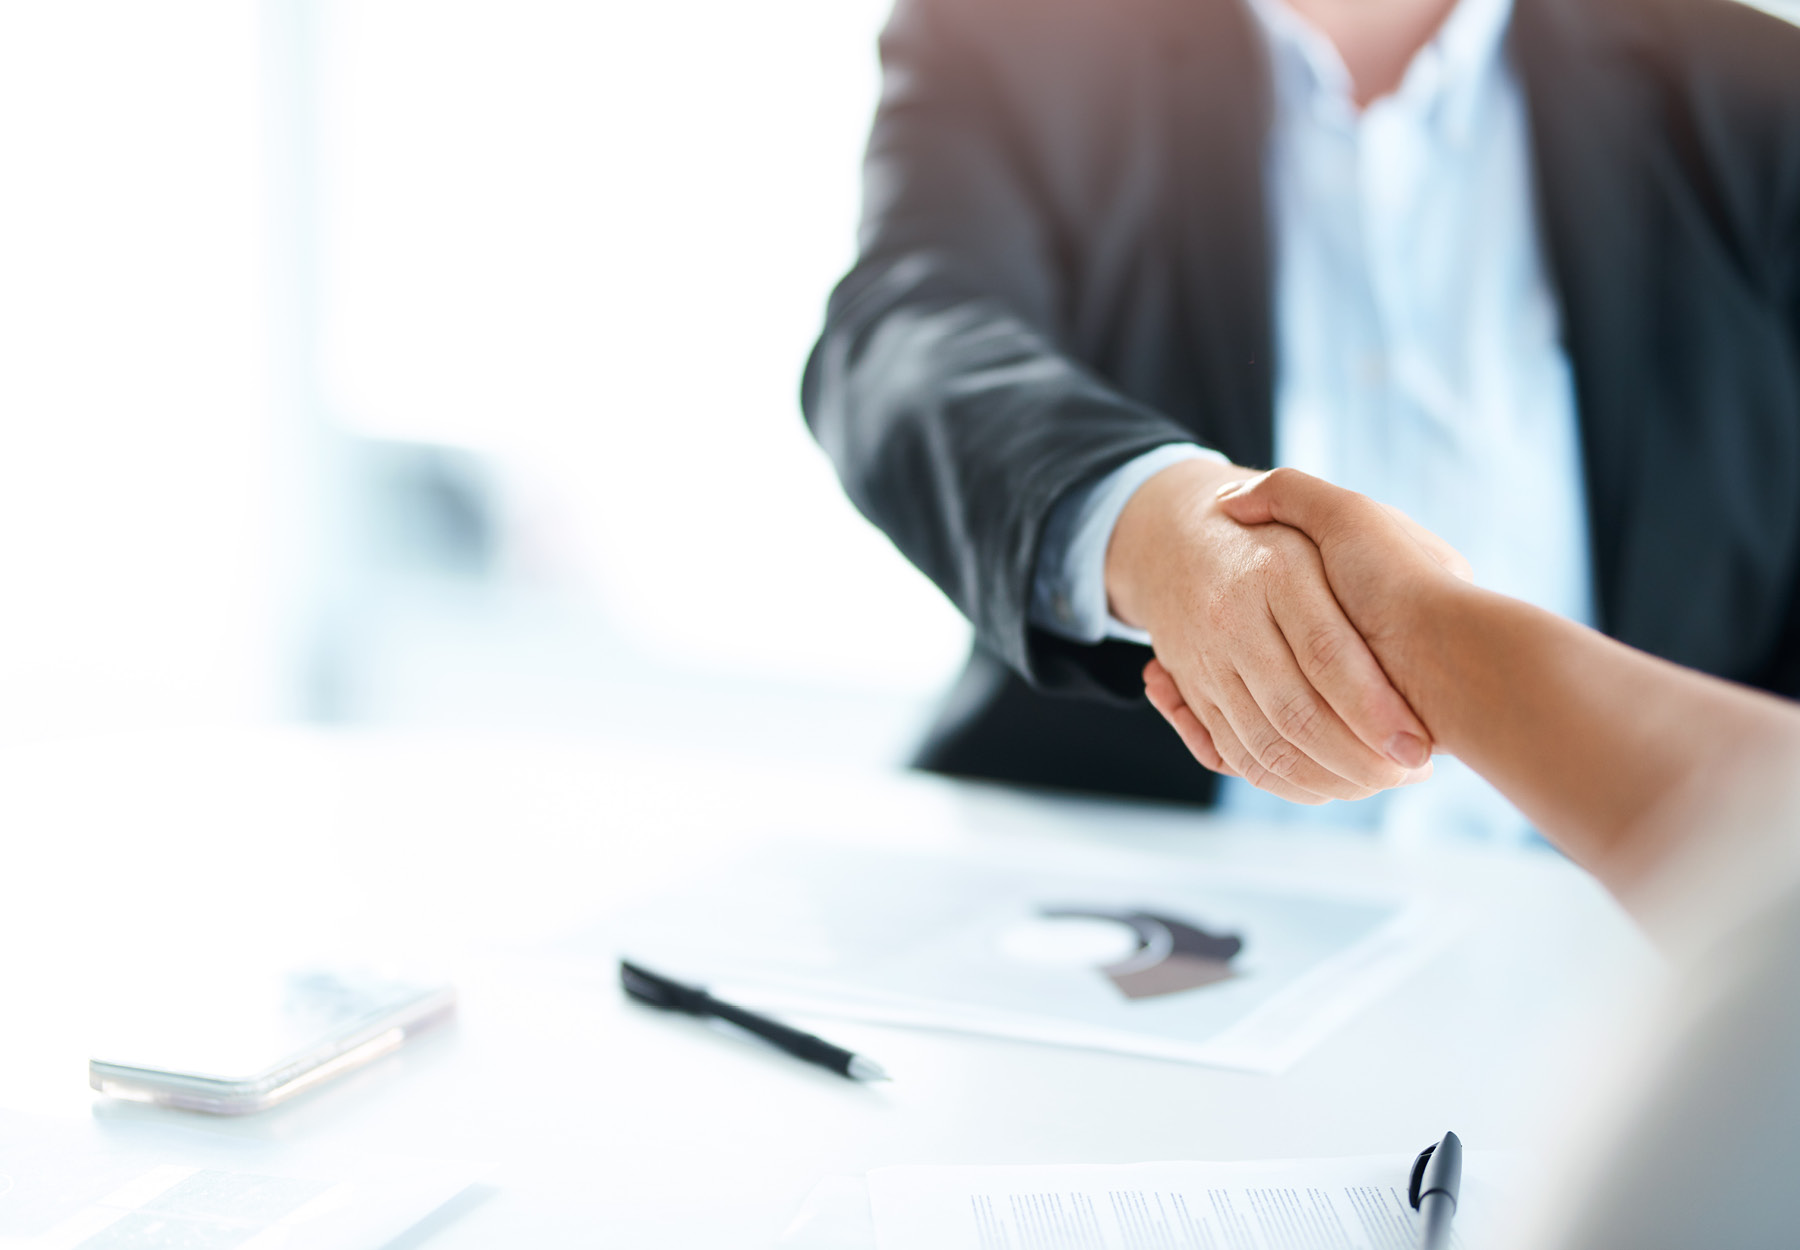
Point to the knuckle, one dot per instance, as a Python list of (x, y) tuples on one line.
[(1282, 758), (1240, 759), (1299, 718), (1232, 753), (1322, 647)]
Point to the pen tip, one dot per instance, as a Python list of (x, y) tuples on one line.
[(867, 1070)]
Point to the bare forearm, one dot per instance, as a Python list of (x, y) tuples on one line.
[(1668, 785), (1597, 743)]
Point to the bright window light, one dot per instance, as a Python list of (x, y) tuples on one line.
[(594, 242)]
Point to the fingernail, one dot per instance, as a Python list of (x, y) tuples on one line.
[(1231, 488), (1408, 750)]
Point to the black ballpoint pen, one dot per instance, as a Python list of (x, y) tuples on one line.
[(1436, 1183), (658, 991)]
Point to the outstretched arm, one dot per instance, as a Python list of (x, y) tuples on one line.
[(1611, 752), (963, 407)]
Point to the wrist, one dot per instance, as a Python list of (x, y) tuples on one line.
[(1146, 539), (1425, 647)]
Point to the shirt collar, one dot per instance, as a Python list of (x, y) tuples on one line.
[(1443, 81)]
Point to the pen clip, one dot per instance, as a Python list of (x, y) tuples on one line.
[(1418, 1175)]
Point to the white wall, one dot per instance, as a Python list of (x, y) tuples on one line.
[(594, 240), (1789, 9), (133, 398), (591, 240)]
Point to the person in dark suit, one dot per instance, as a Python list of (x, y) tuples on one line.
[(1527, 269)]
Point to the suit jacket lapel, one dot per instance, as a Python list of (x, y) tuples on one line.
[(1588, 100)]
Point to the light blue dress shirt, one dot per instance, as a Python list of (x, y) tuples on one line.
[(1419, 354)]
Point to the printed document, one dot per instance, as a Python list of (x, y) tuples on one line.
[(1298, 1204), (1130, 954)]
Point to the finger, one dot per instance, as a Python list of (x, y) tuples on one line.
[(1243, 764), (1309, 504), (1194, 737), (1300, 713), (1234, 757), (1447, 556), (1271, 762), (1160, 689), (1336, 662), (1318, 509)]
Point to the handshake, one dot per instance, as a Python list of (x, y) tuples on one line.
[(1320, 645), (1283, 611)]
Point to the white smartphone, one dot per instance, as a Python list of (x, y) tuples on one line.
[(248, 1048)]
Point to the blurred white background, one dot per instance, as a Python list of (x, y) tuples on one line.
[(424, 362)]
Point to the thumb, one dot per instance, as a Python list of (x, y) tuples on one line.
[(1285, 496)]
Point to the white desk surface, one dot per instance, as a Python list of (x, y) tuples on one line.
[(607, 1124)]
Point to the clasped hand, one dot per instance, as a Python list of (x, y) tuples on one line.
[(1258, 668)]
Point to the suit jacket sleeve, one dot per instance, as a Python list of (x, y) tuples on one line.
[(1783, 674), (940, 387), (1786, 679)]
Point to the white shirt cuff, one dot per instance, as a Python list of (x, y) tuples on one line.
[(1068, 592)]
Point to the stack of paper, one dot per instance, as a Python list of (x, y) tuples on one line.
[(1160, 959), (87, 1185)]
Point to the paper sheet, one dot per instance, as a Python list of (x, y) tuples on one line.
[(87, 1185), (1220, 969), (1301, 1204)]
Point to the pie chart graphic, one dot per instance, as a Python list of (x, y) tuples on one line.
[(1172, 955)]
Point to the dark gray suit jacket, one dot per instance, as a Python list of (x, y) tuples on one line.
[(1064, 263)]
